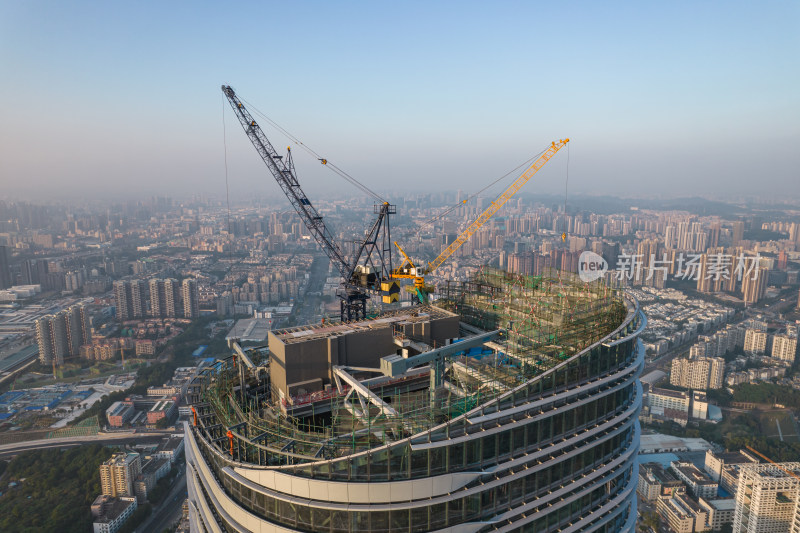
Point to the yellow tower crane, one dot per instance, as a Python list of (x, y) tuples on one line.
[(408, 270)]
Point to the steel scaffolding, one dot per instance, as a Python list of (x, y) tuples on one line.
[(546, 319)]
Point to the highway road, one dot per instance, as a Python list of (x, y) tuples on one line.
[(170, 509), (10, 450)]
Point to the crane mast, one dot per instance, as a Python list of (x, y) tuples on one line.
[(375, 247)]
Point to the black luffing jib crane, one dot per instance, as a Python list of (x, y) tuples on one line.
[(359, 277)]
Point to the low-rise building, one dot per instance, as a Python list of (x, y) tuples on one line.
[(668, 405), (119, 413), (698, 483), (754, 375), (661, 399), (113, 513), (720, 512), (683, 514), (699, 405), (162, 409), (715, 463), (163, 390), (153, 470), (655, 482), (170, 448), (145, 347)]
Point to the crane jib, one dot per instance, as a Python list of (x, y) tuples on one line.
[(374, 249)]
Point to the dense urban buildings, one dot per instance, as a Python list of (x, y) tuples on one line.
[(146, 271), (166, 297), (498, 431)]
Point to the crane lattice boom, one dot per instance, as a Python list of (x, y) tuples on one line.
[(284, 174), (496, 205), (358, 277)]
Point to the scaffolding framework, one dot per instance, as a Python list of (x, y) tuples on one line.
[(545, 319)]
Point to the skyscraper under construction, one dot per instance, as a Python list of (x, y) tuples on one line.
[(509, 405)]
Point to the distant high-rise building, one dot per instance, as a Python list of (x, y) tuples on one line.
[(704, 283), (730, 284), (61, 335), (118, 474), (794, 233), (784, 347), (670, 236), (52, 334), (164, 297), (158, 298), (172, 297), (122, 300), (767, 498), (139, 298), (191, 298), (130, 299), (783, 260), (5, 270), (78, 328), (737, 232), (34, 271), (225, 304), (755, 341), (754, 285), (713, 235), (44, 338)]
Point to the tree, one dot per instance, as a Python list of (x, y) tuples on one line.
[(58, 489), (649, 519)]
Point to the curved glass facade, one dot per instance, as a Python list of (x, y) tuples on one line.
[(557, 452)]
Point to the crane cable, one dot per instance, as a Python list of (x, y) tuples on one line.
[(227, 188), (492, 184), (566, 183), (566, 191), (347, 177)]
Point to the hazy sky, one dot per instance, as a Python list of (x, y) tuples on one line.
[(669, 98)]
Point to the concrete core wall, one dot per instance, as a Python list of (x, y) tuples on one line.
[(306, 364)]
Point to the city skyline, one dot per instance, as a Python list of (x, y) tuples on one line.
[(674, 100), (197, 335)]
